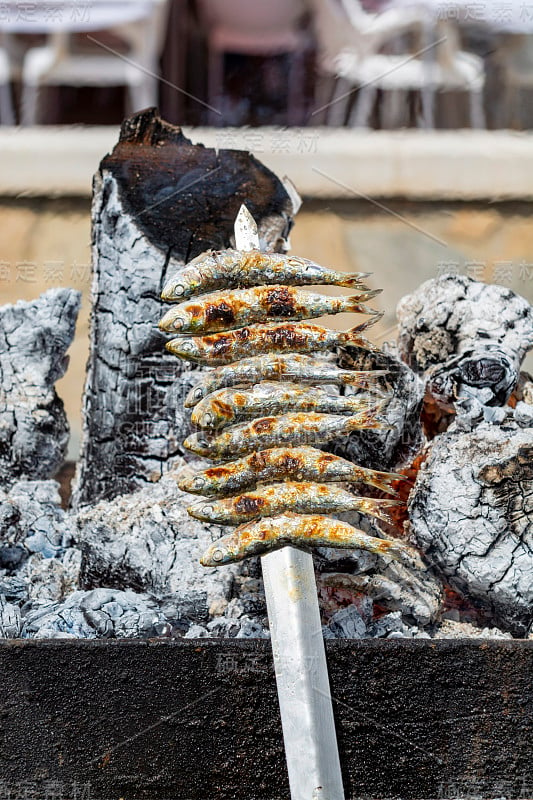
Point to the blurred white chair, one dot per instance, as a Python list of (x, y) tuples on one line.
[(254, 28), (515, 60), (59, 63), (350, 44)]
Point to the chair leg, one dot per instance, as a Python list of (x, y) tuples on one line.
[(361, 112), (143, 94), (29, 104), (215, 88), (391, 108), (324, 87), (7, 113), (477, 112), (295, 99), (427, 118), (336, 111)]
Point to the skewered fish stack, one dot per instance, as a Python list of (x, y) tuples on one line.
[(263, 409)]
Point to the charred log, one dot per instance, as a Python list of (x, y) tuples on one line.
[(159, 200), (388, 448), (34, 337), (471, 511), (466, 339)]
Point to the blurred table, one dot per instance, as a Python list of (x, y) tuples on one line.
[(511, 16), (72, 16)]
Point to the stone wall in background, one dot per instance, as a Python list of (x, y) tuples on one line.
[(45, 243)]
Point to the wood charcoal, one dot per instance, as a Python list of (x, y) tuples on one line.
[(467, 339), (34, 338), (159, 200), (471, 511)]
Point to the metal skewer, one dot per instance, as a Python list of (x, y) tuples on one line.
[(298, 648)]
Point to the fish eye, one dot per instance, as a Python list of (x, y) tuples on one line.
[(187, 345), (178, 289), (178, 322), (198, 393), (218, 555), (209, 418), (198, 482)]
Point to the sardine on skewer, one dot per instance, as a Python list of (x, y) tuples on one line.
[(231, 269), (295, 429), (227, 310), (282, 367), (302, 531), (278, 498), (229, 406), (280, 463), (296, 337)]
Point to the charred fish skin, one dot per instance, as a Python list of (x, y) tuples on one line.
[(299, 498), (231, 269), (228, 310), (298, 337), (268, 432), (305, 532), (290, 367), (229, 406), (283, 463)]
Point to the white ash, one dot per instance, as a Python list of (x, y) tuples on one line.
[(418, 596), (34, 337), (348, 623), (10, 620), (52, 579), (31, 521), (146, 540), (453, 629), (468, 339), (13, 587), (471, 511), (100, 613), (229, 628), (384, 449)]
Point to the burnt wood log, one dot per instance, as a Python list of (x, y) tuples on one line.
[(159, 201), (466, 338), (385, 449), (34, 337), (471, 511)]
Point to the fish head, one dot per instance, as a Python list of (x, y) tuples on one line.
[(223, 551), (198, 443), (193, 484), (201, 510), (174, 320), (185, 347), (196, 394), (175, 288)]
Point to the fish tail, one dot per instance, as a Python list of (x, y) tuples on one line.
[(353, 337), (383, 480), (378, 509), (361, 378), (353, 304), (369, 419), (369, 295), (354, 279)]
